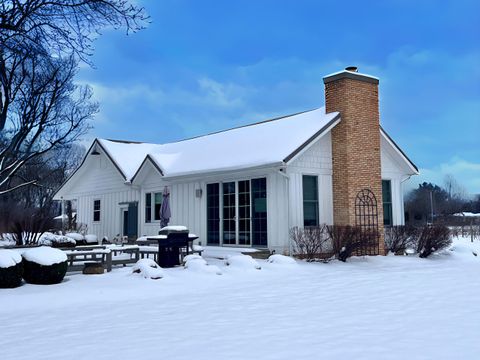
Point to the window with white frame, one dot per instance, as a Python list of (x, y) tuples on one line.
[(153, 203), (310, 200), (96, 210), (148, 207)]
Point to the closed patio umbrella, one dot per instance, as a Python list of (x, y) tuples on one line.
[(165, 212)]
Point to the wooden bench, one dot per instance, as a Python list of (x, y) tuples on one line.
[(105, 255), (76, 258), (133, 252)]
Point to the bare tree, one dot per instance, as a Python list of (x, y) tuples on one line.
[(41, 108), (49, 111)]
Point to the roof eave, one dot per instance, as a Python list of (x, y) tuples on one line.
[(332, 123), (412, 166), (223, 170)]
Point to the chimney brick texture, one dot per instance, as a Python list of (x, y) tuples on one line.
[(355, 146)]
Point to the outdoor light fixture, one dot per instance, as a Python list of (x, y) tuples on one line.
[(198, 193)]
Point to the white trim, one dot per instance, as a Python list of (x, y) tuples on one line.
[(385, 136), (319, 136)]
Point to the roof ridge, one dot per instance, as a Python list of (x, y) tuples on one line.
[(219, 131), (125, 141), (244, 126)]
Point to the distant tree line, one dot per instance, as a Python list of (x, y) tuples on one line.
[(442, 201)]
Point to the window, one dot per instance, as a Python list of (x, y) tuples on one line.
[(148, 207), (229, 213), (310, 200), (213, 214), (387, 202), (237, 212), (259, 211), (157, 205), (153, 202), (96, 210)]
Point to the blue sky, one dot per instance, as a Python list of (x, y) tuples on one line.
[(202, 66)]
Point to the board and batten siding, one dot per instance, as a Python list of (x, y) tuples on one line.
[(100, 180), (277, 212), (191, 211), (393, 170), (187, 209), (315, 160)]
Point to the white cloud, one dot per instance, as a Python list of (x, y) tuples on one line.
[(467, 174)]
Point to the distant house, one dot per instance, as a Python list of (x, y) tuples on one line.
[(249, 185)]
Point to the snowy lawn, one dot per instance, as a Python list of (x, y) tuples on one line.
[(369, 308)]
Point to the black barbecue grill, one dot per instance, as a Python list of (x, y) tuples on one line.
[(171, 242)]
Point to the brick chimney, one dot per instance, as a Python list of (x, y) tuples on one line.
[(355, 144)]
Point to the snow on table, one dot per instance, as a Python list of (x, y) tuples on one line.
[(393, 307)]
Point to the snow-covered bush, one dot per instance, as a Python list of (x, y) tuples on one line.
[(50, 239), (399, 238), (75, 236), (148, 268), (11, 269), (281, 260), (44, 265), (243, 262), (309, 242), (198, 264), (7, 239), (433, 238), (26, 225)]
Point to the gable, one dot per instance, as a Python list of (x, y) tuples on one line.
[(317, 156), (97, 173), (394, 158), (148, 173)]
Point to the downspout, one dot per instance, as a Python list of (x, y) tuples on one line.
[(282, 171)]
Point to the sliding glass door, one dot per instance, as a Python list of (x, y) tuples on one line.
[(259, 212), (213, 214), (244, 215), (238, 211), (229, 213)]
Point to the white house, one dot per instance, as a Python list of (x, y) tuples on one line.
[(249, 185)]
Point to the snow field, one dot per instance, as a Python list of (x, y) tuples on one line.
[(393, 307)]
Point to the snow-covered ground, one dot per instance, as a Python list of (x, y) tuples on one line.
[(368, 308)]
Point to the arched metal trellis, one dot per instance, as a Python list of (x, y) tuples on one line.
[(366, 217)]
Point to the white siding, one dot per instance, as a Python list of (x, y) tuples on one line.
[(100, 180), (277, 213), (393, 169), (315, 160)]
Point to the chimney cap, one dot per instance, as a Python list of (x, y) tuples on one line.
[(348, 73)]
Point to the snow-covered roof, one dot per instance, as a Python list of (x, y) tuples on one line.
[(467, 214), (265, 143)]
